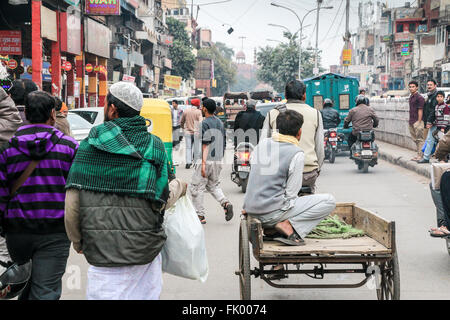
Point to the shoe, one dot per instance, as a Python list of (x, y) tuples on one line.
[(188, 166), (228, 211), (423, 161)]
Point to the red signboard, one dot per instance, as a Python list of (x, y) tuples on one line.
[(89, 68), (11, 42), (103, 7), (397, 64), (67, 66), (12, 64)]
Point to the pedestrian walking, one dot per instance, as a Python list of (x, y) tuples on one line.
[(176, 123), (190, 123), (61, 119), (10, 120), (416, 124), (438, 120), (313, 134), (34, 166), (206, 176), (117, 192), (19, 92)]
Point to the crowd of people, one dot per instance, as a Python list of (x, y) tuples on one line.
[(107, 195)]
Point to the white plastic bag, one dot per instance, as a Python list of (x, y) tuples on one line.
[(184, 253)]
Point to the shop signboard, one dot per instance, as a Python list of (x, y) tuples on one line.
[(49, 29), (12, 64), (27, 65), (102, 7), (10, 42), (347, 57), (128, 78), (74, 31), (98, 38), (172, 82)]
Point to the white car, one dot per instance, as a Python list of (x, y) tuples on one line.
[(94, 115), (80, 127)]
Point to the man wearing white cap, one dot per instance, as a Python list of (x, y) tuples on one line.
[(118, 189)]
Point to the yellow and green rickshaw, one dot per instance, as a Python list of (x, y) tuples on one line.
[(160, 115)]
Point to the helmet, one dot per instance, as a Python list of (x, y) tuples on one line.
[(327, 102), (361, 100), (14, 279)]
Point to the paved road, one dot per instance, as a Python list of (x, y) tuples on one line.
[(391, 192)]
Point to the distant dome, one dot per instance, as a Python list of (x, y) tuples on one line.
[(240, 55)]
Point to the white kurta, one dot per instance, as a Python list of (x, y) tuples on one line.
[(141, 282)]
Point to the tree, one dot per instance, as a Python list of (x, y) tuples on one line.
[(224, 70), (279, 65), (183, 60)]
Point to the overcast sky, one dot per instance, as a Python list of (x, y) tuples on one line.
[(250, 18)]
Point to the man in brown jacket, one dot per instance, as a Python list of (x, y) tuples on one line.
[(362, 117), (190, 121), (61, 121)]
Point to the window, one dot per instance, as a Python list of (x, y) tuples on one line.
[(399, 27), (412, 27), (344, 101), (318, 102)]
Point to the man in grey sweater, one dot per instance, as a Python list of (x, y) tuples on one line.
[(275, 181)]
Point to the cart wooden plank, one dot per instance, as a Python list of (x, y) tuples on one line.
[(358, 245)]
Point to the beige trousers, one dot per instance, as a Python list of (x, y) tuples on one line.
[(417, 134), (200, 185)]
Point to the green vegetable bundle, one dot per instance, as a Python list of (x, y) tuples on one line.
[(334, 228)]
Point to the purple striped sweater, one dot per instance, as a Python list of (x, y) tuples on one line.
[(38, 206)]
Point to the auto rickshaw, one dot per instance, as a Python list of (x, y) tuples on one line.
[(159, 114), (232, 111)]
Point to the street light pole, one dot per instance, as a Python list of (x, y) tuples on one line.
[(316, 70), (301, 32)]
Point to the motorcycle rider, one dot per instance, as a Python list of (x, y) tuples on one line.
[(248, 124), (363, 118), (330, 116)]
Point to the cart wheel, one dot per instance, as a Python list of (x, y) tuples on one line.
[(244, 262), (390, 280)]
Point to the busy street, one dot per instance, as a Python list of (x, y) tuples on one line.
[(225, 150)]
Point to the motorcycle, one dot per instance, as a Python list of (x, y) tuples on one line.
[(365, 151), (331, 138), (241, 166)]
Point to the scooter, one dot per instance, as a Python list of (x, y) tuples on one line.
[(241, 166), (331, 138), (365, 151)]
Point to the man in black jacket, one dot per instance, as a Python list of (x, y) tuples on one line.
[(330, 116), (430, 104), (246, 120)]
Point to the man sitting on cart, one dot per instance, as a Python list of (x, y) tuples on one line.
[(276, 180)]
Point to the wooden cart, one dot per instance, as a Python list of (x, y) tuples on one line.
[(374, 253)]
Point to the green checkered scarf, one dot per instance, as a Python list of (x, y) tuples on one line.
[(121, 157)]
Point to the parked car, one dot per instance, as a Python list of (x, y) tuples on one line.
[(79, 126), (94, 115)]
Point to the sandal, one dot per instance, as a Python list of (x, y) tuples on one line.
[(228, 207), (202, 219), (441, 232), (292, 240)]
